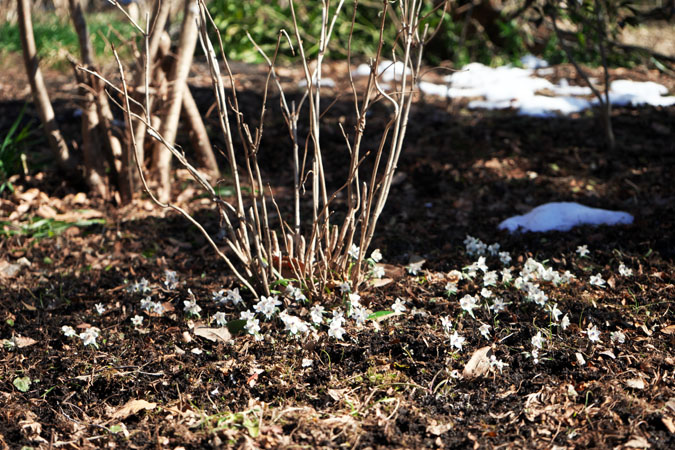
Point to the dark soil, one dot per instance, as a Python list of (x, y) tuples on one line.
[(397, 385)]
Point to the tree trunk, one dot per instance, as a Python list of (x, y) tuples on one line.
[(198, 135), (178, 78), (40, 96)]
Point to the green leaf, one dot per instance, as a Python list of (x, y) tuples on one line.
[(116, 429), (236, 326), (380, 315), (22, 383)]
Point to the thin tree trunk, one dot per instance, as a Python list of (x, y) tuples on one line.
[(178, 78), (40, 96), (94, 163), (198, 134)]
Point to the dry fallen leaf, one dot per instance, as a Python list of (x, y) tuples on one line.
[(635, 383), (380, 282), (214, 334), (670, 329), (479, 364), (440, 428), (637, 442), (22, 341), (668, 422), (132, 407)]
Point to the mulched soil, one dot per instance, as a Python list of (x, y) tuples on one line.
[(397, 385)]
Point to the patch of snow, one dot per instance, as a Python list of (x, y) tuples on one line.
[(387, 70), (564, 88), (543, 106), (530, 61), (563, 216), (637, 93), (325, 82)]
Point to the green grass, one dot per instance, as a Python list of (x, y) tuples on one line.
[(12, 150), (38, 227), (54, 35)]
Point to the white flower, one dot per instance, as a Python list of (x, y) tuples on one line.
[(597, 280), (593, 333), (338, 318), (146, 303), (137, 320), (582, 251), (140, 286), (490, 278), (191, 307), (505, 258), (157, 308), (485, 330), (376, 255), (377, 272), (360, 315), (252, 325), (345, 287), (219, 296), (398, 306), (316, 313), (354, 251), (450, 288), (480, 264), (625, 271), (171, 280), (335, 330), (474, 246), (493, 249), (497, 363), (468, 303), (68, 331), (555, 312), (246, 315), (234, 296), (457, 341), (354, 300), (294, 324), (89, 336), (267, 306), (567, 277), (100, 309), (565, 322), (617, 336), (306, 362), (506, 276), (446, 323), (498, 305), (486, 293), (538, 340), (220, 319), (295, 293)]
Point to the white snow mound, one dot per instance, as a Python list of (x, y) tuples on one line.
[(563, 216)]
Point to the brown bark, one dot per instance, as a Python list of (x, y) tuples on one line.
[(198, 135), (39, 90), (177, 78)]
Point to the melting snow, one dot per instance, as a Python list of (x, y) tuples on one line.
[(512, 87), (563, 216)]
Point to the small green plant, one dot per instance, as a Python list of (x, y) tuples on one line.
[(11, 150)]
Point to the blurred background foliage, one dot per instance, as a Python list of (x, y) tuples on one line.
[(493, 32)]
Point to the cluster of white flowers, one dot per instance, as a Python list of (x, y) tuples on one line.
[(597, 280), (293, 324), (140, 287), (335, 330), (267, 306), (252, 325), (625, 271), (295, 293), (476, 247), (148, 305), (89, 336)]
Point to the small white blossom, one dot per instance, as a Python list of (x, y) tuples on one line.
[(293, 324), (597, 280), (486, 293), (485, 330), (468, 303), (457, 341), (377, 272), (625, 271), (450, 288), (335, 330), (538, 340), (490, 278), (316, 313), (480, 264), (137, 320), (267, 306), (617, 336), (89, 336), (593, 333), (583, 251), (100, 309), (295, 293), (220, 318), (506, 276), (246, 315), (474, 246), (68, 331), (170, 279), (338, 317), (345, 287), (497, 363), (360, 315), (565, 322), (354, 300), (398, 306), (354, 251), (555, 312), (535, 356), (191, 307), (498, 305), (493, 249), (252, 325), (218, 296), (446, 323), (157, 308), (234, 296), (146, 303), (505, 258), (376, 255), (142, 286)]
